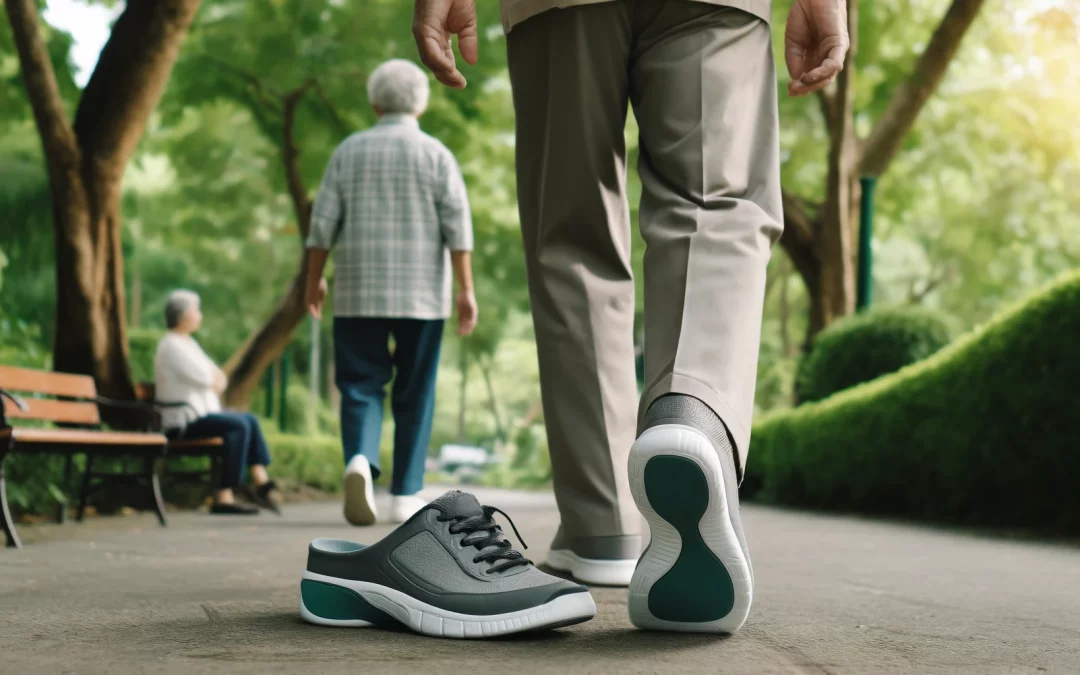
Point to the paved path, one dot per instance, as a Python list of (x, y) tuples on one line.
[(834, 595)]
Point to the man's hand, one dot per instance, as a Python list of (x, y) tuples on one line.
[(815, 44), (434, 21), (467, 312), (316, 296)]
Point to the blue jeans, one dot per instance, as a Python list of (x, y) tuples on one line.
[(363, 366), (244, 442)]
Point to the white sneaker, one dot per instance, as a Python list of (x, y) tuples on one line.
[(359, 492), (604, 561), (404, 507)]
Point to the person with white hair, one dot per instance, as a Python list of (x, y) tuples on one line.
[(188, 386), (393, 206)]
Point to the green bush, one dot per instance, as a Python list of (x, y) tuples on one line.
[(860, 348), (315, 461), (983, 432)]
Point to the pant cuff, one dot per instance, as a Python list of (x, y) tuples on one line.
[(683, 384)]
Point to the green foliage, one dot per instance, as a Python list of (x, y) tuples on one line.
[(142, 348), (983, 432), (859, 348), (35, 483), (21, 345)]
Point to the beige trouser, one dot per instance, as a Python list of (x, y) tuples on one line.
[(703, 85)]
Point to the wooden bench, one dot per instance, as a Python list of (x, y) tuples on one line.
[(211, 448), (74, 403)]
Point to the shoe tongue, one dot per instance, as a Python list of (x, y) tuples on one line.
[(457, 503)]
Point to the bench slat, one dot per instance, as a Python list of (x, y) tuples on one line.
[(44, 382), (81, 437), (197, 443), (70, 412)]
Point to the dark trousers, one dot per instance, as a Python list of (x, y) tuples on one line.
[(363, 366), (244, 442)]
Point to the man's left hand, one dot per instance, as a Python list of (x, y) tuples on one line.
[(467, 312)]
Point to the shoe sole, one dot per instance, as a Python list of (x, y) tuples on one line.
[(330, 601), (359, 503), (589, 571), (694, 576)]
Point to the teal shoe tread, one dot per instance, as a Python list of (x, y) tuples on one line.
[(697, 588), (338, 603)]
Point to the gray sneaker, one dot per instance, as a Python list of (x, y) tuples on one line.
[(446, 572), (695, 575)]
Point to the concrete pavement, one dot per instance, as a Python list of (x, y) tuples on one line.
[(834, 595)]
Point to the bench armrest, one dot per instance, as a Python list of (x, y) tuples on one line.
[(19, 403)]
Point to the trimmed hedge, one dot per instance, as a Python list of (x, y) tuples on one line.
[(863, 347), (984, 432)]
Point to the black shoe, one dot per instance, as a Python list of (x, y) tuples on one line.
[(446, 572), (233, 510), (264, 496)]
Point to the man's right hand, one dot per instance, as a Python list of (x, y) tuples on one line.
[(316, 296), (434, 21), (816, 44)]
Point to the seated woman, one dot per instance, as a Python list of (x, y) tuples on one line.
[(185, 374)]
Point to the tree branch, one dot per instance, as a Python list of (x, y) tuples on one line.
[(39, 79), (332, 111), (908, 100), (290, 156), (935, 281), (828, 108), (799, 237), (263, 92), (129, 79)]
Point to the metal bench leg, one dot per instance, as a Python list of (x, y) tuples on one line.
[(84, 493), (61, 507), (155, 488), (5, 512)]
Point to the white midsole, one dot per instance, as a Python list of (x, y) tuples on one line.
[(590, 571), (359, 496), (437, 622), (715, 527)]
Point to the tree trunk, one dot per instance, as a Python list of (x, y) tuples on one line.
[(500, 430), (463, 395), (245, 367), (785, 313), (86, 161), (821, 239)]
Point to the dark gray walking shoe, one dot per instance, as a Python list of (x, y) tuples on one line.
[(695, 575), (446, 572)]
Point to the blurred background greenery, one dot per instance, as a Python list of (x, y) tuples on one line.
[(979, 208)]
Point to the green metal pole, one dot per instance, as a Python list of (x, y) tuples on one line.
[(864, 293), (268, 386), (283, 400)]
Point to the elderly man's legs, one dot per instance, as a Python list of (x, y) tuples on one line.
[(362, 369), (417, 344), (702, 83), (570, 82)]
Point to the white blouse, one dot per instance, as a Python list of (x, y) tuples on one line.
[(184, 374)]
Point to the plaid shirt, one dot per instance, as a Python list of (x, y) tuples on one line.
[(392, 205)]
